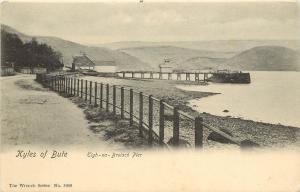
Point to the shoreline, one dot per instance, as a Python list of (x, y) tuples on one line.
[(264, 134)]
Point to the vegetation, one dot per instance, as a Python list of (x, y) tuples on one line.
[(29, 54)]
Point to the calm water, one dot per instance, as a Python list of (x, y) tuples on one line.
[(272, 97)]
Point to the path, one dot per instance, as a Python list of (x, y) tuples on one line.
[(33, 116)]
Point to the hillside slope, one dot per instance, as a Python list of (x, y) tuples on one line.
[(234, 46), (69, 49), (225, 54), (265, 58), (155, 55)]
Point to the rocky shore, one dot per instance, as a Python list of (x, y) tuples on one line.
[(264, 134)]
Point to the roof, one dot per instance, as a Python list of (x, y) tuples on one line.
[(165, 66), (83, 61), (105, 63)]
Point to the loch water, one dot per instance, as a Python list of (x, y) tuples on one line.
[(271, 97)]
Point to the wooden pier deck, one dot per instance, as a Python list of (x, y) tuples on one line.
[(187, 76)]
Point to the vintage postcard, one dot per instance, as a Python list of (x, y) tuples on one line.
[(148, 95)]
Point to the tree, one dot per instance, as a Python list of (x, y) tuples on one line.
[(30, 54), (11, 49)]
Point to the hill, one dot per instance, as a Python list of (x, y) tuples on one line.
[(202, 63), (265, 58), (155, 55), (237, 55), (233, 46), (69, 49)]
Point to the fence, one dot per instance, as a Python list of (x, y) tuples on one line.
[(167, 123), (5, 71)]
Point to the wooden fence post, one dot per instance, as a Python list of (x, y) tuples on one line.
[(150, 134), (54, 80), (59, 84), (64, 84), (114, 100), (101, 95), (74, 92), (161, 122), (107, 97), (198, 132), (56, 83), (74, 86), (86, 90), (52, 83), (176, 127), (96, 93), (71, 85), (78, 87), (81, 88), (68, 86), (122, 102), (91, 90), (131, 107), (141, 116)]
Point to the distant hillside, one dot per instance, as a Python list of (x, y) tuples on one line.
[(233, 46), (202, 63), (155, 55), (69, 49), (265, 58), (239, 55)]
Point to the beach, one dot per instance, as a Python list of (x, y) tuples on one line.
[(265, 134)]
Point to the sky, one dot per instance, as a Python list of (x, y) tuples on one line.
[(96, 23)]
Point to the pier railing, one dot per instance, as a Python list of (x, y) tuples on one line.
[(180, 76), (163, 122)]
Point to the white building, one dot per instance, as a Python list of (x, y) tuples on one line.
[(165, 68), (105, 66), (84, 62)]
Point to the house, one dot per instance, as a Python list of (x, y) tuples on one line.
[(105, 66), (165, 67), (82, 62)]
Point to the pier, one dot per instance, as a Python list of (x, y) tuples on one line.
[(220, 76), (179, 76)]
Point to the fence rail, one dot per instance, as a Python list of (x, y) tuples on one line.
[(160, 120)]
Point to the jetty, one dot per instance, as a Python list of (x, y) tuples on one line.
[(220, 76)]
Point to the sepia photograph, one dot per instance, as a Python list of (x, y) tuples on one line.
[(192, 91)]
